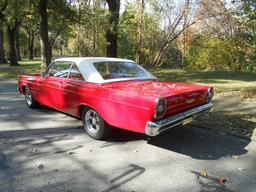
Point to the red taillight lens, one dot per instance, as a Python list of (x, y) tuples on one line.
[(160, 108), (210, 94)]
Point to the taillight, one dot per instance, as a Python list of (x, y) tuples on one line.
[(210, 94), (160, 107)]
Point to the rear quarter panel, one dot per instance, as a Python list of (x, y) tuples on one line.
[(118, 108), (22, 82), (24, 79)]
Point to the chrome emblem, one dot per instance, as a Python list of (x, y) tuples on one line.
[(190, 101)]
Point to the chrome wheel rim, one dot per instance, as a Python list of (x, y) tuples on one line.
[(28, 97), (92, 121)]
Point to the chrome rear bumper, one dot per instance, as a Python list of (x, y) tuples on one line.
[(154, 128)]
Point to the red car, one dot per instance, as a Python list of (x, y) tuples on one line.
[(110, 92)]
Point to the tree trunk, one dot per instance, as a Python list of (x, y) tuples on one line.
[(61, 53), (2, 54), (44, 39), (31, 48), (111, 33), (31, 37), (52, 41), (12, 48), (94, 41), (50, 51), (17, 41)]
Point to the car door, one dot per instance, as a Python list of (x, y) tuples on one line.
[(73, 90), (54, 82)]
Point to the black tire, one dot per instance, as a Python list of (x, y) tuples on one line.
[(31, 103), (94, 125)]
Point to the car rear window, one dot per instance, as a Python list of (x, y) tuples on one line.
[(115, 70)]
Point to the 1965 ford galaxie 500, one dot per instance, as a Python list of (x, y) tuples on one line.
[(110, 92)]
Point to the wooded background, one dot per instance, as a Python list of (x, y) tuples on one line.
[(188, 34)]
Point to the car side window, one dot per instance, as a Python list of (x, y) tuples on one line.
[(75, 74), (59, 69)]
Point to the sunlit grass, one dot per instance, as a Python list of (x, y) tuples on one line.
[(222, 81), (25, 66), (30, 62)]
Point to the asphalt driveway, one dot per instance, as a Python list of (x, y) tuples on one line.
[(43, 150)]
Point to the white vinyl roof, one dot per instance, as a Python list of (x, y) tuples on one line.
[(87, 69)]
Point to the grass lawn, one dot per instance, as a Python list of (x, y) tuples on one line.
[(234, 83), (26, 66), (234, 106)]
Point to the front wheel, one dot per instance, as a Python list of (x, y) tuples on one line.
[(94, 125), (31, 103)]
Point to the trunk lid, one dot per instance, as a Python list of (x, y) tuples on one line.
[(179, 96)]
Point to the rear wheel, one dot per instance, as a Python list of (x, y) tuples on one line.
[(94, 125), (29, 100)]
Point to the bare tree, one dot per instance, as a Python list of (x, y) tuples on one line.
[(31, 33), (177, 23), (217, 19)]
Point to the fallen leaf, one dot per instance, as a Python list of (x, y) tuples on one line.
[(70, 152), (210, 156), (204, 173), (240, 169), (41, 166), (235, 157), (34, 150), (222, 180)]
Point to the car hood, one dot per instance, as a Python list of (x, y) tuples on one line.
[(154, 89)]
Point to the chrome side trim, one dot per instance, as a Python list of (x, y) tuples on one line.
[(154, 128)]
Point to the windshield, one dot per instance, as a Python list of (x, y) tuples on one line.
[(117, 70)]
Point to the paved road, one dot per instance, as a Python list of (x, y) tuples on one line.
[(43, 150)]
